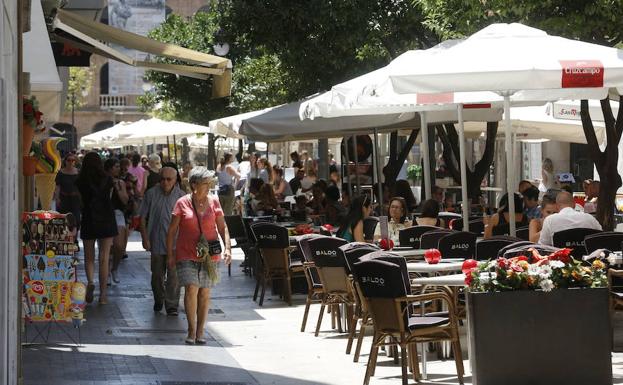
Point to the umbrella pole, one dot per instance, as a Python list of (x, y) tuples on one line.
[(466, 203), (510, 172), (175, 148), (425, 156), (168, 150), (347, 169), (356, 155), (375, 170)]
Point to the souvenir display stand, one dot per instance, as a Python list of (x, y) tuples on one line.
[(51, 294)]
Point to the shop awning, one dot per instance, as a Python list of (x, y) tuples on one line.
[(94, 36), (38, 60)]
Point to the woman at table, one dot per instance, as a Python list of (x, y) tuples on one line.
[(430, 214), (265, 170), (397, 216), (267, 202), (501, 218), (318, 201), (548, 207), (352, 226), (333, 210), (196, 214), (403, 189), (282, 188)]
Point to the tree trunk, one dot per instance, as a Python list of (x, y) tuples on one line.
[(606, 160), (450, 140), (397, 159)]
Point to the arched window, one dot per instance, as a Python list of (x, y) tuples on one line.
[(205, 8), (104, 80), (69, 133), (104, 124)]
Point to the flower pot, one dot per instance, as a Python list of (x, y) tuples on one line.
[(28, 133), (535, 337), (29, 165)]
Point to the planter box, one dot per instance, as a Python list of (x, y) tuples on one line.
[(534, 337)]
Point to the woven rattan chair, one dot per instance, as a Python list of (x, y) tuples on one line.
[(395, 321), (274, 248), (314, 286), (573, 239), (331, 268)]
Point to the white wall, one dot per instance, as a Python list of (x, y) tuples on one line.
[(559, 153), (9, 195)]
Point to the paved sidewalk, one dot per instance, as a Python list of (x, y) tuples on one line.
[(124, 342)]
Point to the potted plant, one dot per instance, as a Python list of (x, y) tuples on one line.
[(537, 319), (32, 121), (414, 173)]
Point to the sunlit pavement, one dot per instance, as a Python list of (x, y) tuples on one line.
[(125, 342)]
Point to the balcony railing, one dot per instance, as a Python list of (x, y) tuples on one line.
[(113, 101)]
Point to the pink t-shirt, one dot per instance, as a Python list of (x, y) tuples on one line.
[(139, 173), (188, 233)]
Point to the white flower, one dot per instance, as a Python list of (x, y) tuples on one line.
[(534, 270), (547, 284), (545, 270), (556, 264)]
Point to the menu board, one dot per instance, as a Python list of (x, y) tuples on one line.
[(51, 291)]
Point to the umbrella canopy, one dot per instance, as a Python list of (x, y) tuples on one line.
[(512, 57), (111, 136), (155, 128), (283, 123)]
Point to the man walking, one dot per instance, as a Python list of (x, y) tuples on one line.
[(155, 215)]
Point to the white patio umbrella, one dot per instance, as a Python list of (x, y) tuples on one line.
[(110, 136), (156, 128), (514, 61)]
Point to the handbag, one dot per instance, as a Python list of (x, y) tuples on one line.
[(206, 249)]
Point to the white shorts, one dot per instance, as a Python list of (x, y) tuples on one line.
[(120, 218)]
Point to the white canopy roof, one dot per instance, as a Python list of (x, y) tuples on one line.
[(155, 128), (110, 136)]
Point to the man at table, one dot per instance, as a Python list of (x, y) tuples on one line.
[(566, 218)]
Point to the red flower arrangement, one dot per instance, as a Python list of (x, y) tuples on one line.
[(31, 113), (557, 270)]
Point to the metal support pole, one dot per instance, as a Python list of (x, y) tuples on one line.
[(357, 182), (462, 165), (347, 168), (510, 172), (168, 150), (377, 173), (425, 155), (175, 148), (323, 158)]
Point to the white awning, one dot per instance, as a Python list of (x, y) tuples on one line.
[(92, 37), (38, 60)]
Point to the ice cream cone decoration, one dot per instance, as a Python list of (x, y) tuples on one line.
[(45, 185)]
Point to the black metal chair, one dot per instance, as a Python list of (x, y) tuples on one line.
[(395, 321), (351, 253), (430, 239), (505, 229), (274, 248), (446, 217), (331, 267), (488, 248), (411, 235), (609, 240), (237, 231), (476, 225), (460, 244), (523, 233), (525, 248), (369, 225), (573, 239), (314, 285)]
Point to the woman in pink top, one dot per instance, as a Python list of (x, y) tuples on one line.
[(182, 238), (139, 172)]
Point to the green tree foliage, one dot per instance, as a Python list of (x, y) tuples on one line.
[(596, 21), (78, 85), (321, 43)]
